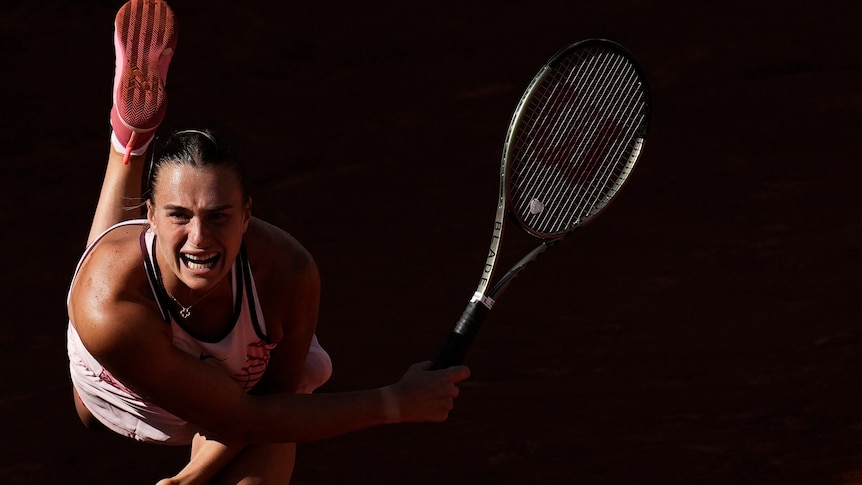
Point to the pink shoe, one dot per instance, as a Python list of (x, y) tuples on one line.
[(145, 36)]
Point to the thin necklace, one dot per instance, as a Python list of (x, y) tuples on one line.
[(186, 311)]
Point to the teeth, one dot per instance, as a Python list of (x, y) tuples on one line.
[(200, 261), (199, 257)]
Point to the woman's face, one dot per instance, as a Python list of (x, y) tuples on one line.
[(199, 217)]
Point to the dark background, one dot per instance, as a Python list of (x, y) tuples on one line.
[(705, 329)]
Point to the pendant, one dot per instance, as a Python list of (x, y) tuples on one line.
[(185, 312)]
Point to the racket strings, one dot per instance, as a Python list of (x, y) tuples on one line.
[(599, 159), (614, 140), (580, 134), (562, 142), (570, 147), (570, 132)]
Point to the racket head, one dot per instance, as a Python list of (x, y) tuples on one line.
[(574, 138)]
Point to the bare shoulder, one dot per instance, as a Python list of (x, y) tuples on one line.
[(273, 251), (110, 304), (286, 277)]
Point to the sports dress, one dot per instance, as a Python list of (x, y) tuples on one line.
[(243, 353)]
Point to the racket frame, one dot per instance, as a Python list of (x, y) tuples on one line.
[(483, 299)]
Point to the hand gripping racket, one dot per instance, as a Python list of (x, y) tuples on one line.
[(574, 138)]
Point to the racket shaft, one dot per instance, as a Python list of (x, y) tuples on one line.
[(462, 336)]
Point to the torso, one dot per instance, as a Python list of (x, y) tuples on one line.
[(116, 260), (112, 279)]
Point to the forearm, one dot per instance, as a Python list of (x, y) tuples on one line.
[(311, 417), (419, 396)]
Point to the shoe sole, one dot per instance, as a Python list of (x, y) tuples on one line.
[(145, 38)]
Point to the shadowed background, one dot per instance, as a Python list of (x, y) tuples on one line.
[(705, 329)]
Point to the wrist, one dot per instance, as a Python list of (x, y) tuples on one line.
[(389, 404)]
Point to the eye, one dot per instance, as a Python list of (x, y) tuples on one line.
[(178, 216), (218, 216)]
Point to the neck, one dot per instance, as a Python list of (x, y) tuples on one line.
[(181, 295), (206, 316)]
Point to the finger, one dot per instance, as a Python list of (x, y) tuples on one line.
[(458, 373), (420, 366)]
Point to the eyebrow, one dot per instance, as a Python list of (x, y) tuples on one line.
[(173, 207)]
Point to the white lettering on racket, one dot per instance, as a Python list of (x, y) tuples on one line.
[(492, 254), (489, 266), (486, 300)]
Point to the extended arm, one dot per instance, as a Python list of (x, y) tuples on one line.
[(121, 327)]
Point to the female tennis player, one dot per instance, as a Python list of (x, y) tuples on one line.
[(196, 325)]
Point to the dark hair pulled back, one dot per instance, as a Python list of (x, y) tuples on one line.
[(194, 148)]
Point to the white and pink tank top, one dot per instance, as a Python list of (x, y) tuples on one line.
[(242, 353)]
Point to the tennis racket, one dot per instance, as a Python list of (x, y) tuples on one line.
[(573, 140)]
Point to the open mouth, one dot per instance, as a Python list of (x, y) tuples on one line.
[(200, 261)]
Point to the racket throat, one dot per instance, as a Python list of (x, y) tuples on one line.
[(516, 270)]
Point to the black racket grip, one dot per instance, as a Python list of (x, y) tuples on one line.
[(462, 336)]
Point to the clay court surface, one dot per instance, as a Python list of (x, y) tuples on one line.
[(705, 329)]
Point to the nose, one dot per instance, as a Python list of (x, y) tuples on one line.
[(198, 232)]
